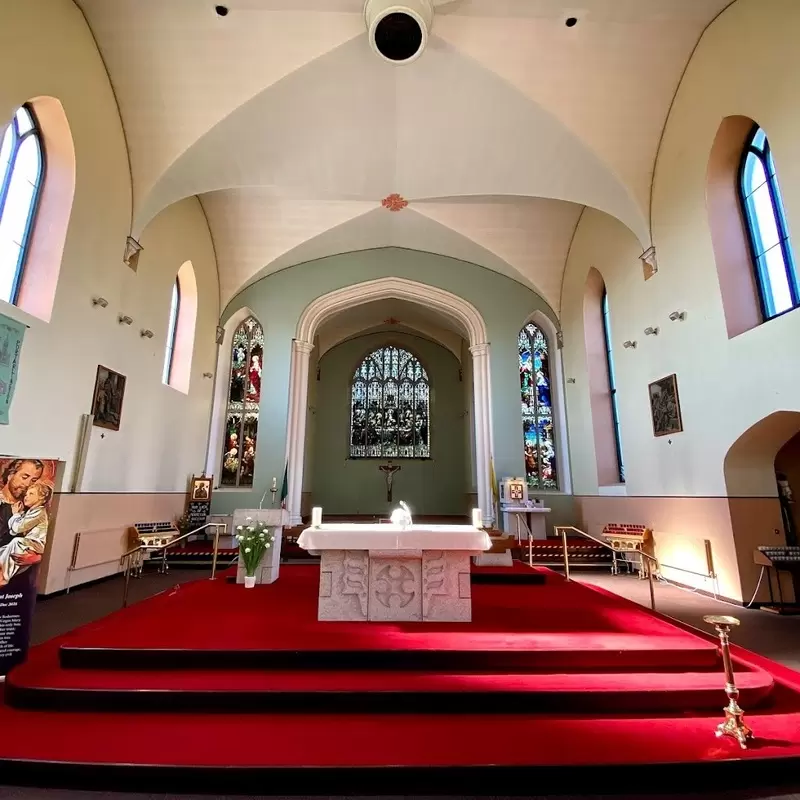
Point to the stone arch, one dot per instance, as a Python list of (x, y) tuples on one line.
[(324, 307)]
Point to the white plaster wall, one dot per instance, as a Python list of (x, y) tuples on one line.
[(747, 63), (47, 49)]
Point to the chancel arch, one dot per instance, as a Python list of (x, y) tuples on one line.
[(455, 308)]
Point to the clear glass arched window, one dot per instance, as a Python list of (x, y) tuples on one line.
[(174, 312), (21, 178), (537, 409), (244, 400), (770, 247), (390, 406), (612, 388)]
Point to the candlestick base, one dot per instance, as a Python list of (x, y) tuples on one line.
[(734, 726)]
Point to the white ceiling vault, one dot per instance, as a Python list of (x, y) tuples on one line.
[(291, 130)]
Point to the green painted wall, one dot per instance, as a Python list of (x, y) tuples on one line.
[(278, 301), (342, 485)]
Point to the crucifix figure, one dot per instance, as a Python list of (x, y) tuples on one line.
[(388, 470)]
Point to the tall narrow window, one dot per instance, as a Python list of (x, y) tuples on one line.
[(21, 176), (612, 387), (766, 226), (174, 311), (244, 398), (537, 409), (390, 407)]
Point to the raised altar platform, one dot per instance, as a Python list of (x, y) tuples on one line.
[(385, 573)]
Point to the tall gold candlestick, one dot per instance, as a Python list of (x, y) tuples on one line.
[(734, 725)]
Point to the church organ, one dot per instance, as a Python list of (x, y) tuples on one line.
[(780, 559), (634, 540)]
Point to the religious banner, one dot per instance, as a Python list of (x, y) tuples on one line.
[(11, 335), (26, 493)]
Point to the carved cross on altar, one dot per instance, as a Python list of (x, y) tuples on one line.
[(388, 470)]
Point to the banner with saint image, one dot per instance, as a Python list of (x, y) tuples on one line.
[(26, 495), (11, 335)]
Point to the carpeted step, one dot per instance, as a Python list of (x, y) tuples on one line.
[(416, 651), (44, 686)]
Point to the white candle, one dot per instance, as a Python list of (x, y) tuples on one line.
[(274, 484), (316, 517), (477, 518)]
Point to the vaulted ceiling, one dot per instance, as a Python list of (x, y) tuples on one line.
[(291, 130)]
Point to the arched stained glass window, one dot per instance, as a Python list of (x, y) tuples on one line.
[(770, 247), (21, 174), (390, 407), (244, 398), (174, 312), (537, 409)]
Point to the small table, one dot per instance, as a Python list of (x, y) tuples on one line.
[(535, 525), (388, 573)]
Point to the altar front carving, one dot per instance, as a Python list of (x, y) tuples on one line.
[(386, 573)]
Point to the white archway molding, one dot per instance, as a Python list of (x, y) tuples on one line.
[(557, 397), (216, 435), (323, 308)]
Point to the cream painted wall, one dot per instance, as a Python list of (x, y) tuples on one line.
[(47, 49), (746, 63)]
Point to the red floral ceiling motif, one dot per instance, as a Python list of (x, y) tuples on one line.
[(394, 202)]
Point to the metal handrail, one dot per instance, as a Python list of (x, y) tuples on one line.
[(646, 557), (125, 559)]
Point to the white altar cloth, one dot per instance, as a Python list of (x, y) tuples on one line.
[(351, 536), (388, 573)]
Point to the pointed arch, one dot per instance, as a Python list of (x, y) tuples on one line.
[(181, 329)]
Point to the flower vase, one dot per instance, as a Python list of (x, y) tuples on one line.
[(249, 581)]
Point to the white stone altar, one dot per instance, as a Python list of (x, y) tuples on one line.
[(386, 572), (270, 566)]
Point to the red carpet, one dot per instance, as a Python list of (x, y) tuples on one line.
[(597, 680)]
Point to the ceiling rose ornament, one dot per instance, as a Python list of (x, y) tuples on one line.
[(398, 31), (394, 202)]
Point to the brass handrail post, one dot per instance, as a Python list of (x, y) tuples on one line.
[(127, 580), (566, 553), (216, 548), (652, 586)]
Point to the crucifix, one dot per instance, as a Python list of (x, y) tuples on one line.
[(388, 470)]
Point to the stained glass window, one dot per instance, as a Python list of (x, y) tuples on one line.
[(778, 284), (390, 407), (21, 172), (537, 409), (244, 397)]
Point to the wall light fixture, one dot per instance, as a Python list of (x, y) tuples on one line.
[(99, 301), (651, 331), (628, 344), (124, 319)]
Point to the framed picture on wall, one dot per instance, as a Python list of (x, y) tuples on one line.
[(109, 392), (665, 407), (201, 488)]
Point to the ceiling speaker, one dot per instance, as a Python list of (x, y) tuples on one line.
[(398, 32)]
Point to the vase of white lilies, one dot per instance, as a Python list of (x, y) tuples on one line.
[(254, 538)]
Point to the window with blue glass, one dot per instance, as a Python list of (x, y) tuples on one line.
[(174, 312), (21, 177), (612, 388), (768, 234), (537, 408)]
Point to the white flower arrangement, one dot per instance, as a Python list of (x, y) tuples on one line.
[(254, 540)]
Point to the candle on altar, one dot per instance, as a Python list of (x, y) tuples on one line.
[(477, 518), (316, 517), (274, 484)]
